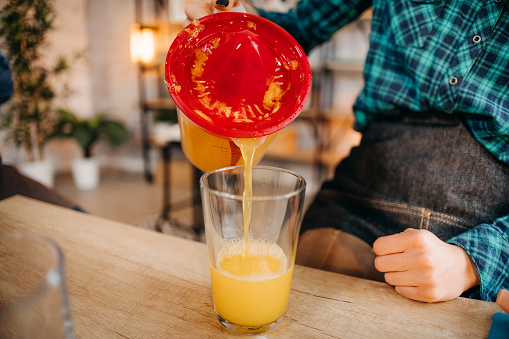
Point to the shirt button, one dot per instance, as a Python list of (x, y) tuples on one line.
[(453, 81), (477, 38)]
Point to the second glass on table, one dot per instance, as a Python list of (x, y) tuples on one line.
[(33, 293), (252, 254)]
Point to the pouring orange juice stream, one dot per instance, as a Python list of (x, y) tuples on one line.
[(248, 148)]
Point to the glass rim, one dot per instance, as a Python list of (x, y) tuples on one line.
[(52, 277), (299, 190)]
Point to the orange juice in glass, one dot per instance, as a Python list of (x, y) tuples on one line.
[(251, 273), (251, 290)]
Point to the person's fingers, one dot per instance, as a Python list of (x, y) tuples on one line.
[(224, 5), (394, 262), (397, 243), (406, 278), (503, 299), (428, 294), (198, 9), (416, 293), (390, 244)]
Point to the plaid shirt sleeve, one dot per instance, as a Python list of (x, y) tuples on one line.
[(488, 247), (315, 21)]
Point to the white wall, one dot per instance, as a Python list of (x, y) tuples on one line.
[(68, 39), (113, 75)]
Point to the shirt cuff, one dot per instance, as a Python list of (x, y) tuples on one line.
[(487, 245)]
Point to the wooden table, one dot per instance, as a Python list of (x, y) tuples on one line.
[(127, 282)]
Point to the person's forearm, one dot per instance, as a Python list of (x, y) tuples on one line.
[(487, 245)]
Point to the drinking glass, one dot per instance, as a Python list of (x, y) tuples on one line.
[(252, 241), (33, 296)]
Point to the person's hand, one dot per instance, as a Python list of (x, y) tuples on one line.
[(503, 300), (197, 9), (423, 267)]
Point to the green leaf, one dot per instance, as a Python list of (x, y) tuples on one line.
[(89, 131)]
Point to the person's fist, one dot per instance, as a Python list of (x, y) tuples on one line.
[(423, 267)]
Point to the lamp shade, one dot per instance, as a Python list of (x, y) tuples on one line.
[(142, 44)]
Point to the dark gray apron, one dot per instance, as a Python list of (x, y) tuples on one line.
[(416, 171)]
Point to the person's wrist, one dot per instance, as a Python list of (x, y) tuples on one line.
[(471, 276)]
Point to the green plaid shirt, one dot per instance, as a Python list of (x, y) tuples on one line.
[(449, 56)]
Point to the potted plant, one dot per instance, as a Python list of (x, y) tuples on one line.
[(88, 132), (29, 116)]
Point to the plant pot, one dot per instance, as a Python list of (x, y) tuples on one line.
[(85, 172), (40, 171)]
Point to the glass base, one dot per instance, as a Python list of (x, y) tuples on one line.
[(241, 329)]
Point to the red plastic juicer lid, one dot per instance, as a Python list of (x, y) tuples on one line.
[(238, 75)]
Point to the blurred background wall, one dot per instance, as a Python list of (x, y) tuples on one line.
[(95, 34)]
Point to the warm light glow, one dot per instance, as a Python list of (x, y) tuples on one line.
[(142, 44), (135, 42)]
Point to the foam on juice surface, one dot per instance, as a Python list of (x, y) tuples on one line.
[(252, 289), (264, 259)]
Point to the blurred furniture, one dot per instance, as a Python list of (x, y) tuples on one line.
[(151, 36), (168, 206), (129, 282), (157, 23)]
